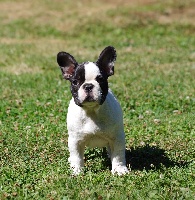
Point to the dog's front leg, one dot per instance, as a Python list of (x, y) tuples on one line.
[(118, 157), (76, 150)]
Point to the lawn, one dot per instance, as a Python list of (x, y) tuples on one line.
[(154, 81)]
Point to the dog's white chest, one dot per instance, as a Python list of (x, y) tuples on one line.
[(95, 128), (95, 132)]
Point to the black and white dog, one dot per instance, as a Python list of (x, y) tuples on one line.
[(94, 116)]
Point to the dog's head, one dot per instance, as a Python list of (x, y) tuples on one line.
[(89, 84)]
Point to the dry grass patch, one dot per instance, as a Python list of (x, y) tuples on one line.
[(22, 68)]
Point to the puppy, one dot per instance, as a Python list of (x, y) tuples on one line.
[(94, 116)]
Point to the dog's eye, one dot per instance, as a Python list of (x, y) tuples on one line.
[(75, 82), (99, 78)]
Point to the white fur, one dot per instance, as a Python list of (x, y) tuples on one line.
[(91, 71), (96, 126)]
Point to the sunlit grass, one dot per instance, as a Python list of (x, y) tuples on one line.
[(154, 82)]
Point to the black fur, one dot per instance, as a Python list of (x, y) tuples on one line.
[(103, 82), (76, 81)]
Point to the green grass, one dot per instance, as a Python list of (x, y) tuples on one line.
[(154, 82)]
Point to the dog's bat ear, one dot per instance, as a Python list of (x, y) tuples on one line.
[(106, 60), (67, 64)]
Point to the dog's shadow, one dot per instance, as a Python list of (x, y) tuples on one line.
[(150, 158), (143, 158)]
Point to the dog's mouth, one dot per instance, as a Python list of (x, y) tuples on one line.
[(90, 100)]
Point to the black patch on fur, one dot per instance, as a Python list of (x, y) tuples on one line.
[(76, 81), (103, 82)]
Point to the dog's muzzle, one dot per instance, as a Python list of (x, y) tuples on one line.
[(88, 88)]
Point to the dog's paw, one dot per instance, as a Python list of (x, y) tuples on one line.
[(120, 170), (76, 170), (76, 165)]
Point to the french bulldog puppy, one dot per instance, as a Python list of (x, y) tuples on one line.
[(94, 116)]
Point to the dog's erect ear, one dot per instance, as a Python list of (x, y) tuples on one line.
[(106, 60), (67, 64)]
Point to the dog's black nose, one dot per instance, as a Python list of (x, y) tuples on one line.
[(88, 87)]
